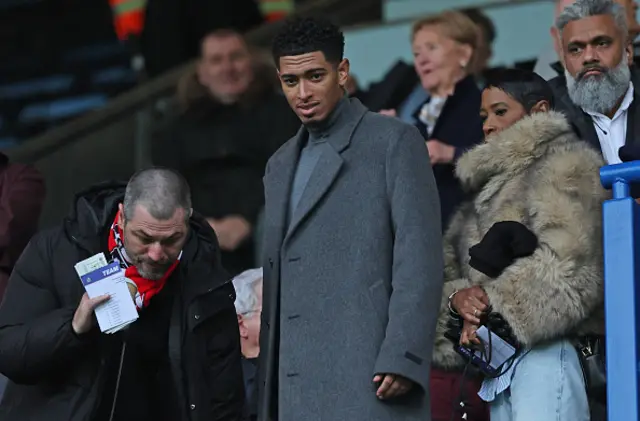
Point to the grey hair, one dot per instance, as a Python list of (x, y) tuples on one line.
[(160, 191), (582, 9), (245, 284)]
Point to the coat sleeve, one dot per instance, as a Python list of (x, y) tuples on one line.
[(225, 375), (416, 277), (20, 207), (226, 390), (546, 295), (36, 337)]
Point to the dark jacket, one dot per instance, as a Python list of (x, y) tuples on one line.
[(392, 90), (222, 151), (59, 376), (22, 192), (582, 123), (459, 125)]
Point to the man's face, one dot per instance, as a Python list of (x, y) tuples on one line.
[(597, 61), (225, 67), (153, 245), (312, 85)]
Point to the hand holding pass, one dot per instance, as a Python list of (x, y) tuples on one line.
[(470, 303), (83, 318)]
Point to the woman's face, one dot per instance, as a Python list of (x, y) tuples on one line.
[(499, 111), (439, 60)]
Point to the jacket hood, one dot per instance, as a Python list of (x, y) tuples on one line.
[(512, 150), (93, 210)]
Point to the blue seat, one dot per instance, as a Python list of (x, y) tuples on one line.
[(113, 76), (46, 85), (62, 108)]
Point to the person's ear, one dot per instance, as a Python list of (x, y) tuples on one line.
[(542, 106), (121, 215), (629, 53), (343, 73), (466, 53)]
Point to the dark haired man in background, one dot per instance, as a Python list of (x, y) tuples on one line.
[(353, 250)]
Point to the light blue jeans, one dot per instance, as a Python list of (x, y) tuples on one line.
[(547, 385)]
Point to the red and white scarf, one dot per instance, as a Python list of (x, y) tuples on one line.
[(145, 288)]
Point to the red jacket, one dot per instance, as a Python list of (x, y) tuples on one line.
[(22, 193)]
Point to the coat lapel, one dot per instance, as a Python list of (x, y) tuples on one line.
[(583, 125), (329, 164), (633, 115), (278, 184)]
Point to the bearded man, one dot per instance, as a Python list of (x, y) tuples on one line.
[(598, 93), (179, 361)]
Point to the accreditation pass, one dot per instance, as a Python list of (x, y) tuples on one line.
[(119, 311)]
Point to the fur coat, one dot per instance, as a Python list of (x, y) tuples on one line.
[(538, 173)]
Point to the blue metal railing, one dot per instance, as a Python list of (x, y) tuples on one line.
[(621, 217)]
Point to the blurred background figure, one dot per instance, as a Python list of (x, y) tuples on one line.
[(248, 304), (445, 48), (22, 192), (233, 119)]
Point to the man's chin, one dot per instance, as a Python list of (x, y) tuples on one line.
[(152, 275)]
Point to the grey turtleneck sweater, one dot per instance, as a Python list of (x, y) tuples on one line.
[(309, 155)]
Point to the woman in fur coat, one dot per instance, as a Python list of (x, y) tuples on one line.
[(534, 175)]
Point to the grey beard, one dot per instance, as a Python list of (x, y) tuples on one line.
[(599, 94)]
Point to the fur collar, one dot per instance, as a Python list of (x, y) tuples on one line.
[(512, 150)]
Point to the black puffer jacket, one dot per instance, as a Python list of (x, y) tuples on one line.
[(58, 376)]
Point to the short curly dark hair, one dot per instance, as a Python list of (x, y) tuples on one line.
[(526, 87), (306, 35)]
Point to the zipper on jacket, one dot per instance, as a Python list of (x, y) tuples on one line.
[(115, 393)]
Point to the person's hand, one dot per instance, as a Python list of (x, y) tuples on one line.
[(470, 303), (231, 231), (83, 318), (440, 153), (468, 335), (391, 385), (390, 113)]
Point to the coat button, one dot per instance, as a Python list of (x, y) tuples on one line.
[(192, 406), (197, 317)]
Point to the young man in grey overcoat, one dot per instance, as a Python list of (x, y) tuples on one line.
[(353, 250)]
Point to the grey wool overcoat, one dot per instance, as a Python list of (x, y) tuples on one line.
[(352, 284)]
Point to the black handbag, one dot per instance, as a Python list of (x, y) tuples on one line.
[(592, 356)]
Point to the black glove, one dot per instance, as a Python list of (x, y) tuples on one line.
[(502, 244), (629, 153)]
